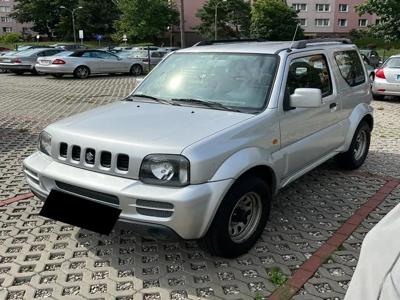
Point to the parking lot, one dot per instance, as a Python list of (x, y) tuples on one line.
[(42, 258)]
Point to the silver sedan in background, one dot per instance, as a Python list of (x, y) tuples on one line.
[(83, 63), (24, 61), (387, 79)]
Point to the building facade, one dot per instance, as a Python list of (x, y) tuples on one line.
[(330, 17), (8, 24)]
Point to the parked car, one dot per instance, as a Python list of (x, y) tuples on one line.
[(372, 56), (69, 47), (143, 55), (387, 79), (24, 61), (168, 49), (27, 47), (206, 139), (138, 65), (83, 63)]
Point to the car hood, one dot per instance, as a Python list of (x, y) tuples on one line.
[(144, 127)]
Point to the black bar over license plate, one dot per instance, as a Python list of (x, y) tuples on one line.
[(80, 212)]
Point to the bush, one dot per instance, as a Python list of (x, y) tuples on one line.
[(11, 38)]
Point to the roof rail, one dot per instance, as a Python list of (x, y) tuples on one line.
[(207, 43), (303, 43)]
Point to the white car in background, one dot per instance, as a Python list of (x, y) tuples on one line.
[(387, 79), (83, 63)]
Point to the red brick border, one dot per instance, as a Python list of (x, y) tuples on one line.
[(15, 199), (310, 266)]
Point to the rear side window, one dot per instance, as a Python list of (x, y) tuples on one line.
[(392, 63), (350, 66), (309, 72)]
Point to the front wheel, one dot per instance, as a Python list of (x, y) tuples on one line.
[(240, 219), (358, 150)]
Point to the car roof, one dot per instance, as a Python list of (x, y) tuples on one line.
[(265, 47)]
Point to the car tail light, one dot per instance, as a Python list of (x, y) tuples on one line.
[(58, 62), (380, 74), (17, 60)]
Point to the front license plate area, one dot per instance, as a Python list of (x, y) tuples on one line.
[(80, 212)]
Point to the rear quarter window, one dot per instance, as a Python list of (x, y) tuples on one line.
[(350, 67)]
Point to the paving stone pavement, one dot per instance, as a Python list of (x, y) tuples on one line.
[(41, 258)]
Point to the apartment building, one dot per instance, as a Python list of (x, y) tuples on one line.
[(330, 17), (8, 24)]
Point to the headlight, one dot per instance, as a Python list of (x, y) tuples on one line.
[(45, 143), (165, 169)]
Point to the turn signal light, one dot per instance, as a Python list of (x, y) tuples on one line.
[(380, 74), (58, 62)]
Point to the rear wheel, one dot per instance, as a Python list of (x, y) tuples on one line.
[(57, 75), (81, 72), (136, 70), (358, 150), (240, 219)]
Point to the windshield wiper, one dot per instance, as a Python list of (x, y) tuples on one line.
[(210, 104), (162, 101)]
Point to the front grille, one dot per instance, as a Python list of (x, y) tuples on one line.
[(63, 150), (123, 162), (95, 158), (88, 193), (105, 159), (76, 153)]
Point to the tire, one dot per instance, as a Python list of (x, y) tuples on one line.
[(81, 72), (136, 70), (34, 71), (358, 150), (227, 238), (378, 97), (57, 75)]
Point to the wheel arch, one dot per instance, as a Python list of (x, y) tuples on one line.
[(86, 66)]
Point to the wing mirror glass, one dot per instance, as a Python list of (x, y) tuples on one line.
[(306, 98)]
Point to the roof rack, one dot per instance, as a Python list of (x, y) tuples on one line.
[(207, 43), (303, 43)]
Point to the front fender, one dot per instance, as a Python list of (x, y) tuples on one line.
[(243, 161), (359, 112)]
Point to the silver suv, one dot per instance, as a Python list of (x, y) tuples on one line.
[(201, 146)]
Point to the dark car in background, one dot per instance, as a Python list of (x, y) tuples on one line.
[(371, 57)]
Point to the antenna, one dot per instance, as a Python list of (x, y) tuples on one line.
[(294, 36)]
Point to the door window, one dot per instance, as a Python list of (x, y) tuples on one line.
[(309, 72), (105, 55), (350, 66)]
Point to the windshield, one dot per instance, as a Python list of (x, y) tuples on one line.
[(240, 81), (392, 63)]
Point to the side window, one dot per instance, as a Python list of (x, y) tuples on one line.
[(87, 54), (309, 72), (350, 66)]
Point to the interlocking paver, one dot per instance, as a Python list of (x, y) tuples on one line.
[(43, 258)]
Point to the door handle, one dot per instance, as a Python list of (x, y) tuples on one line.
[(332, 105)]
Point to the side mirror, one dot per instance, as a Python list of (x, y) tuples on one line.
[(306, 98)]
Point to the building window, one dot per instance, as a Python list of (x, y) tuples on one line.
[(7, 29), (323, 7), (5, 9), (343, 7), (322, 22), (342, 22), (299, 6), (6, 19), (362, 22), (303, 22)]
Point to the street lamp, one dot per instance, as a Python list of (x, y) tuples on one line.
[(216, 18), (73, 18)]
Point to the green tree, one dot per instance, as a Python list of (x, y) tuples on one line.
[(144, 20), (233, 19), (274, 20), (389, 13), (97, 17)]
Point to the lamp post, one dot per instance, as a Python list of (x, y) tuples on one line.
[(216, 18), (73, 18)]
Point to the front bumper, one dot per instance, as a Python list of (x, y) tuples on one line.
[(188, 211)]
